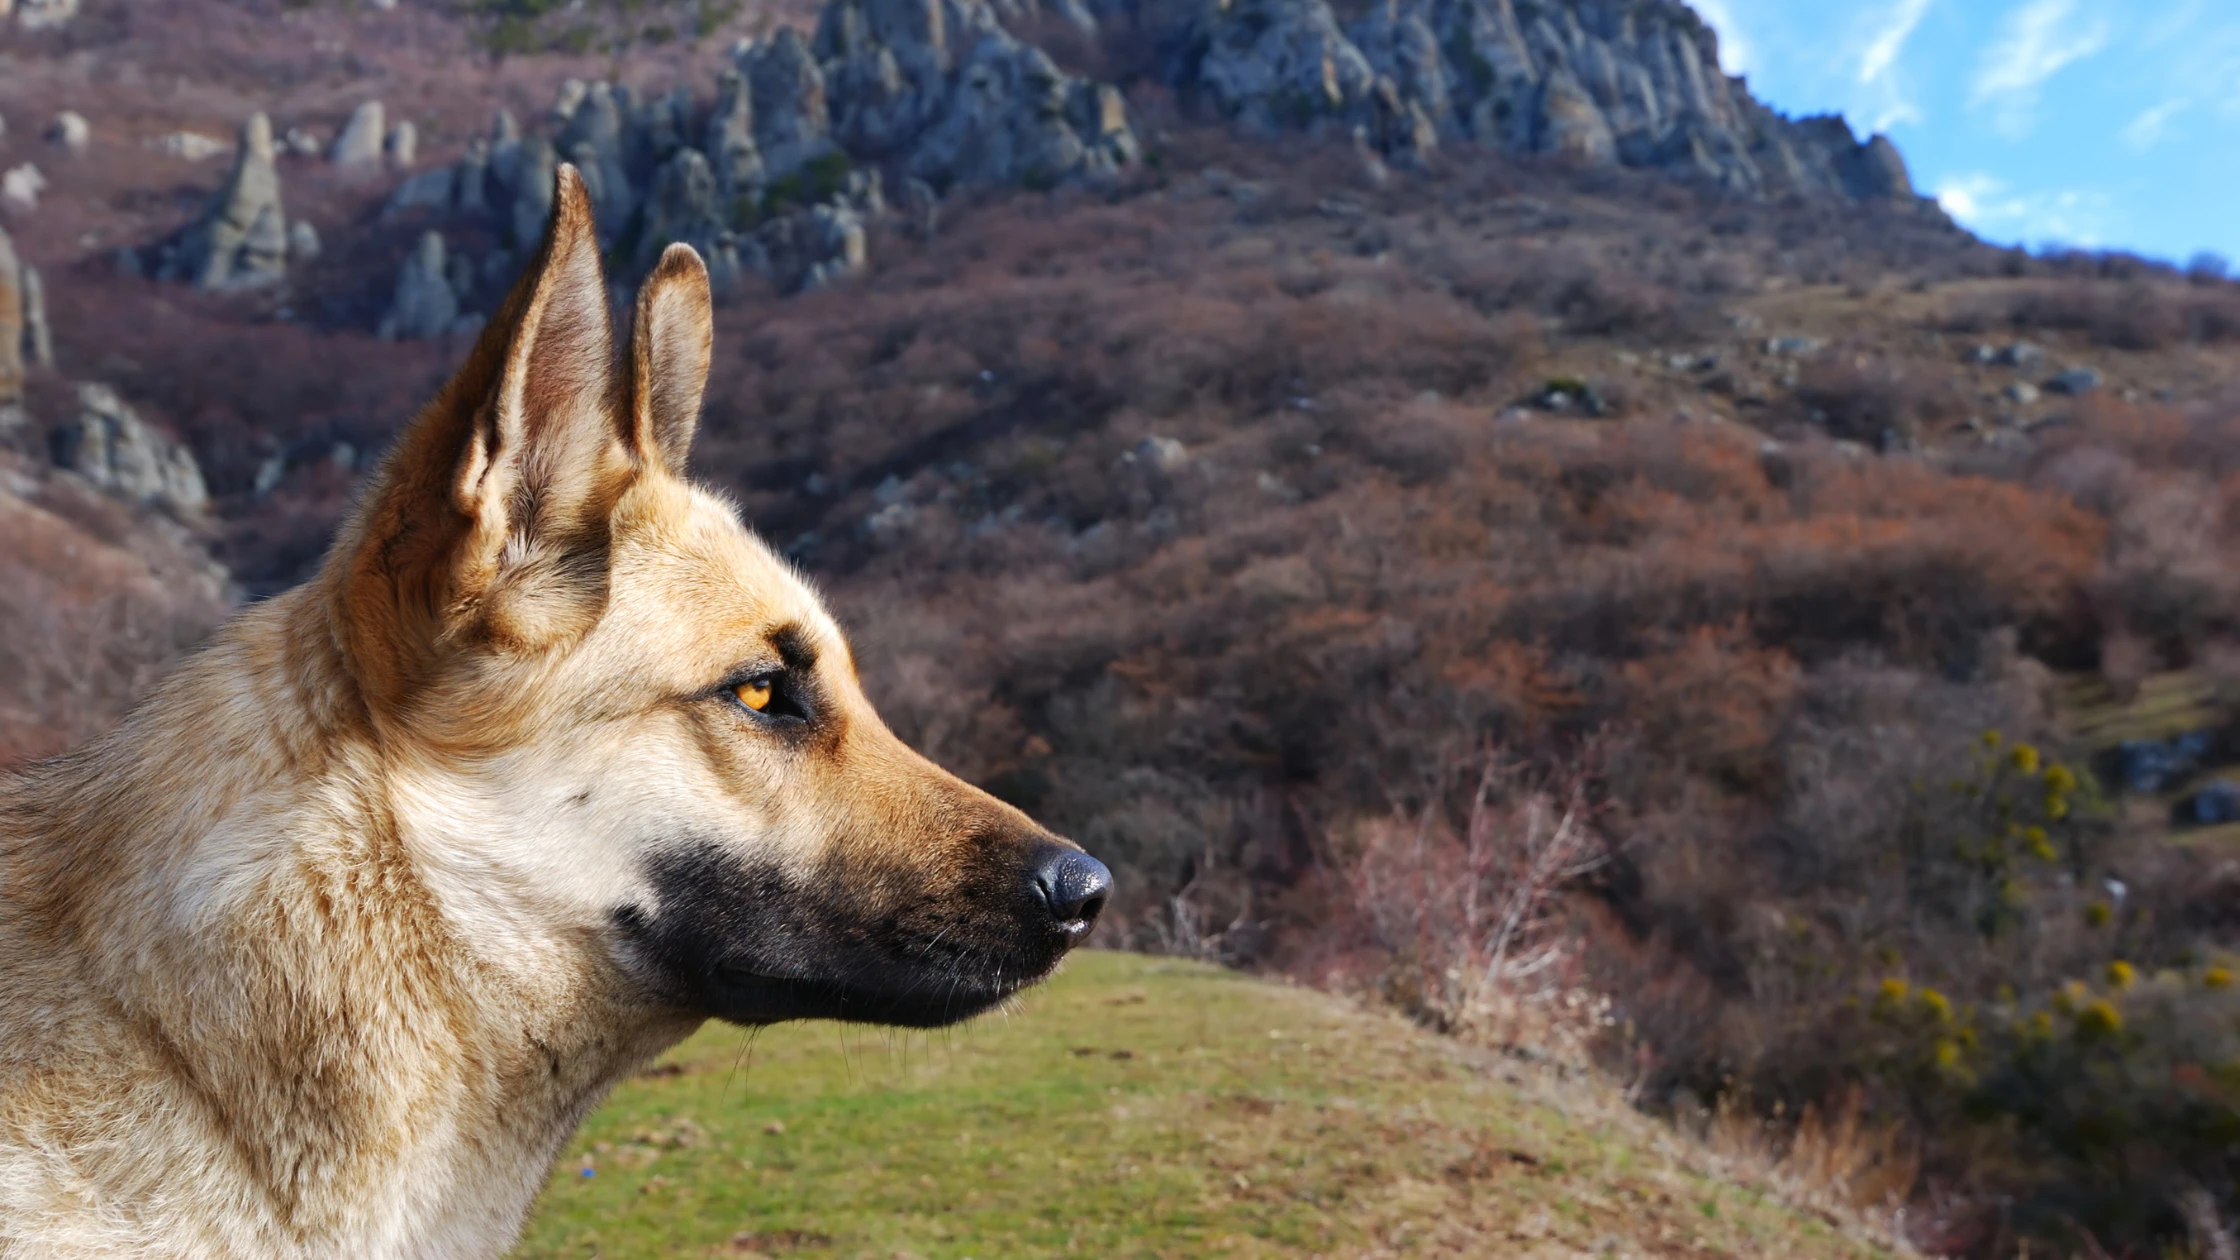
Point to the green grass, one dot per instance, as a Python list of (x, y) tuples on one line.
[(1135, 1107), (2167, 705)]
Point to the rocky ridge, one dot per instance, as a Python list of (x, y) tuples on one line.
[(782, 170), (1631, 82)]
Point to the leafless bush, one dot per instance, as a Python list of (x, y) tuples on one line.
[(1469, 903)]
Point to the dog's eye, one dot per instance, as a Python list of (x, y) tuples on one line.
[(755, 693)]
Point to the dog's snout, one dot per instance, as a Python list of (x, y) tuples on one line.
[(1073, 886)]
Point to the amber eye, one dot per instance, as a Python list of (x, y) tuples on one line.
[(754, 693)]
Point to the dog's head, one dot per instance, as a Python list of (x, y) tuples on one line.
[(611, 721)]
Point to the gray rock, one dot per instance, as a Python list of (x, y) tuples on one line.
[(1794, 347), (568, 100), (792, 120), (11, 324), (38, 337), (532, 191), (192, 146), (471, 178), (923, 205), (733, 156), (2021, 354), (2076, 382), (1876, 172), (109, 445), (403, 146), (359, 143), (505, 151), (2150, 765), (1627, 80), (2022, 393), (685, 204), (426, 304), (1279, 63), (593, 139), (2217, 802), (241, 240), (44, 15), (1162, 453), (300, 143), (21, 186), (428, 190), (1570, 123), (303, 241), (459, 273), (70, 131)]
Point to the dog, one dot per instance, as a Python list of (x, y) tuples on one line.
[(331, 945)]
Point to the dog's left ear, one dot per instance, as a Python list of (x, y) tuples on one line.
[(670, 346), (489, 528)]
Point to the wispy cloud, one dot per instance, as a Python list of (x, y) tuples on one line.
[(2146, 130), (1985, 204), (1877, 69), (1735, 49), (2036, 40)]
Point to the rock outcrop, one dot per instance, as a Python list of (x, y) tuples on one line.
[(11, 324), (109, 445), (780, 173), (70, 132), (43, 15), (38, 336), (241, 240), (21, 185), (360, 141), (426, 303), (1635, 82)]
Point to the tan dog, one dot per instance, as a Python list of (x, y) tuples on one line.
[(330, 947)]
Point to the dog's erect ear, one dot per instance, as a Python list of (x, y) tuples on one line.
[(490, 517), (669, 351)]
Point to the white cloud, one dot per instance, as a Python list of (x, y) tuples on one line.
[(2036, 40), (1986, 205), (1734, 46), (2147, 130), (1878, 64)]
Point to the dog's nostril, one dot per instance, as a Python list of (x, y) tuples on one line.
[(1074, 887)]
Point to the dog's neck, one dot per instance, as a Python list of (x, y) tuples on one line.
[(267, 935)]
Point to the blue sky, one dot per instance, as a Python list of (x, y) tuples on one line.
[(2105, 124)]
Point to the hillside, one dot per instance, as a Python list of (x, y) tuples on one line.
[(1141, 1107)]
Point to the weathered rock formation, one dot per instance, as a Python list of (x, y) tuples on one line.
[(426, 302), (42, 15), (241, 240), (11, 324), (109, 445), (70, 131), (21, 185), (780, 174), (38, 336), (403, 146), (24, 338), (359, 143), (1635, 82)]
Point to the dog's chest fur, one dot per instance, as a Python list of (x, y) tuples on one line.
[(295, 1053)]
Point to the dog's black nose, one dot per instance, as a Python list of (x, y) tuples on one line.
[(1073, 886)]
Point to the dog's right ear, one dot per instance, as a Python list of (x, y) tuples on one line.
[(488, 524)]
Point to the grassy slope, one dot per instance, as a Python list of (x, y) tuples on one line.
[(1135, 1107)]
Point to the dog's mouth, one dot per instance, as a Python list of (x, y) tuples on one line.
[(754, 945), (744, 994)]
